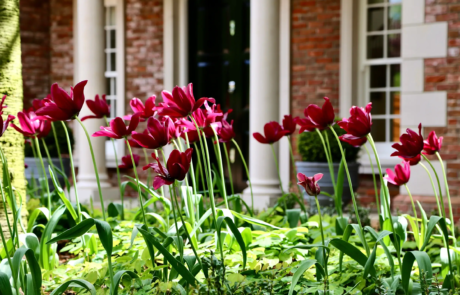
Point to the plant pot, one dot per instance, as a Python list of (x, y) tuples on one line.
[(312, 168), (34, 170)]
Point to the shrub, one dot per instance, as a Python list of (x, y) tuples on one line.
[(51, 143), (311, 148)]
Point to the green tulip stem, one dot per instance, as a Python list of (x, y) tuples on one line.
[(137, 182), (221, 168), (247, 172), (412, 202), (304, 209), (161, 188), (184, 226), (4, 240), (322, 235), (279, 175), (40, 171), (57, 146), (192, 174), (353, 198), (37, 144), (229, 166), (326, 137), (95, 166), (72, 168), (385, 197), (146, 157), (49, 158), (172, 194), (443, 210), (434, 188), (6, 214), (200, 172), (447, 193), (122, 197), (375, 180), (329, 163)]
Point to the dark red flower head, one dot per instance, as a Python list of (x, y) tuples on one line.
[(127, 161), (433, 144), (289, 124), (310, 183), (99, 107), (31, 126), (4, 123), (272, 131), (358, 125), (146, 111), (39, 103), (316, 117), (176, 168), (356, 142), (158, 134), (63, 106), (400, 176), (226, 132), (118, 129), (410, 147)]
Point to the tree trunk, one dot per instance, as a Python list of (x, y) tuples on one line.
[(12, 142)]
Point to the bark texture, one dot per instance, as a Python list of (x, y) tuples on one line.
[(12, 142)]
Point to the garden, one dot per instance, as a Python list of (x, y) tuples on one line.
[(192, 233)]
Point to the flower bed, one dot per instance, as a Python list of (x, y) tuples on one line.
[(196, 245)]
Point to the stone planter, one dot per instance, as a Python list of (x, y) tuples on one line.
[(34, 170), (312, 168)]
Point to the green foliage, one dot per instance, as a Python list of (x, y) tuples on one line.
[(311, 147)]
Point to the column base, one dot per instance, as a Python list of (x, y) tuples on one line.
[(265, 194), (109, 194)]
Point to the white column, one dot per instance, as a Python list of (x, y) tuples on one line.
[(89, 47), (264, 98)]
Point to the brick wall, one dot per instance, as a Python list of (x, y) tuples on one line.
[(144, 48), (35, 47), (61, 38)]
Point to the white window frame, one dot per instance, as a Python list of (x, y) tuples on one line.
[(384, 148), (119, 74)]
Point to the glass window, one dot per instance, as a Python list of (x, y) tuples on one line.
[(383, 64), (110, 58)]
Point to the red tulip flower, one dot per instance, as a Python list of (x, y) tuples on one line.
[(358, 125), (157, 136), (39, 103), (62, 106), (433, 144), (118, 129), (31, 126), (181, 102), (146, 111), (411, 146), (99, 107), (176, 168), (310, 183), (401, 175), (316, 117), (356, 142), (4, 123), (1, 104), (289, 124), (226, 132), (272, 131), (128, 162)]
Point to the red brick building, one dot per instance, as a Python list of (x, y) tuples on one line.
[(403, 55)]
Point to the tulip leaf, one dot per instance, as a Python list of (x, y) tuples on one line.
[(304, 265), (34, 267), (61, 195), (33, 217), (117, 278), (236, 233), (353, 252), (370, 262), (293, 217), (74, 232), (253, 220), (5, 285), (80, 283), (45, 254), (423, 262), (431, 225), (339, 188)]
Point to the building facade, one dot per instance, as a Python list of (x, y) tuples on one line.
[(402, 55)]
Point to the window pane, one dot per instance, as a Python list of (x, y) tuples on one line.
[(395, 75), (395, 1), (112, 39), (375, 46), (114, 87), (378, 129), (375, 19), (394, 17), (394, 129), (394, 45), (378, 77), (113, 61), (378, 103), (394, 102), (111, 16), (107, 86)]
